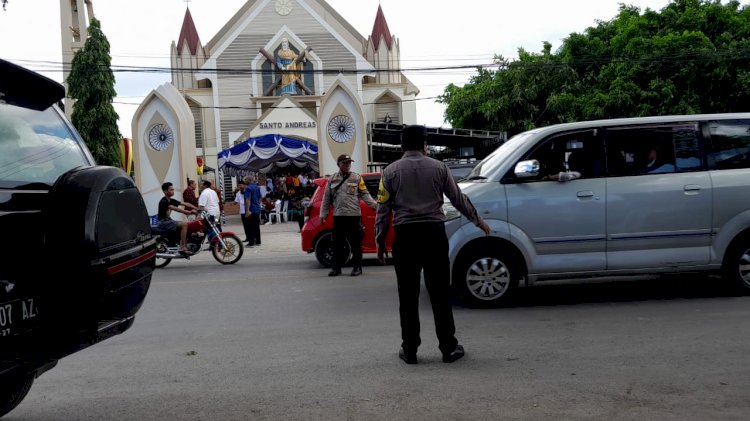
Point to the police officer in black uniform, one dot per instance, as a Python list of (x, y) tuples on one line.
[(412, 188)]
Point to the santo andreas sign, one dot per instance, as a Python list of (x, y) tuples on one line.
[(276, 125)]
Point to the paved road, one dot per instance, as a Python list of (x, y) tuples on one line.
[(273, 337)]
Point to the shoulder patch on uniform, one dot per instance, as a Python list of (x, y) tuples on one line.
[(383, 194)]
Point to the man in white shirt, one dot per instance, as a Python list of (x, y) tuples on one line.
[(209, 201)]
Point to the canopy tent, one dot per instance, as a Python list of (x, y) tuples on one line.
[(261, 154)]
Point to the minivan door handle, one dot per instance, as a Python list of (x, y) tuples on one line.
[(585, 194), (692, 188)]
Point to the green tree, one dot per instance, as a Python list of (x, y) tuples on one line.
[(92, 84), (693, 56), (514, 97)]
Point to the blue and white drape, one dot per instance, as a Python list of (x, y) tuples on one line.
[(261, 154)]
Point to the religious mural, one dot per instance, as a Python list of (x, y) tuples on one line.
[(284, 70)]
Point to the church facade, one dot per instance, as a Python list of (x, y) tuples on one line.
[(293, 68)]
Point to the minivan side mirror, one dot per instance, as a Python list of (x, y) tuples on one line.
[(527, 169)]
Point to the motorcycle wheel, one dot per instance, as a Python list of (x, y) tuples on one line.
[(162, 247), (231, 253)]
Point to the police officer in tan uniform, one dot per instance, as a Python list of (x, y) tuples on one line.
[(343, 191), (412, 188)]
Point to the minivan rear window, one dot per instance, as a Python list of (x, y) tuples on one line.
[(664, 148), (730, 144), (36, 146)]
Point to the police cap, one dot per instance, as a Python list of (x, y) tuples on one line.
[(344, 158)]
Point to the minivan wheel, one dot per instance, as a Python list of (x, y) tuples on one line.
[(13, 390), (324, 250), (486, 277), (736, 268)]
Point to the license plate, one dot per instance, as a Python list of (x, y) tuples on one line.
[(17, 316)]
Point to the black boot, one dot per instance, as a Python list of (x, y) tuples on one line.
[(357, 271), (454, 355), (408, 357), (334, 272)]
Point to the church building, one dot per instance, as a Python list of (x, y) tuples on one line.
[(294, 69)]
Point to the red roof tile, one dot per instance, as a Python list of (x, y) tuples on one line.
[(380, 29), (188, 34)]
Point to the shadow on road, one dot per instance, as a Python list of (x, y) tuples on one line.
[(668, 287), (655, 288)]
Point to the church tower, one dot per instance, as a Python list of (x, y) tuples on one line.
[(389, 90), (383, 52), (75, 16), (188, 55)]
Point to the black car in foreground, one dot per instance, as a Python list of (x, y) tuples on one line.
[(77, 255)]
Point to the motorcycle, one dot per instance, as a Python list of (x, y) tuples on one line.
[(225, 246)]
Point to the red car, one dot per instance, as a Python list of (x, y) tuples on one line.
[(316, 237)]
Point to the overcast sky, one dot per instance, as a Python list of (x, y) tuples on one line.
[(431, 33)]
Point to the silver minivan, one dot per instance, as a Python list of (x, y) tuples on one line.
[(608, 198)]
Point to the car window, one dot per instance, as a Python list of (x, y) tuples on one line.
[(484, 168), (730, 144), (577, 152), (653, 149), (36, 146)]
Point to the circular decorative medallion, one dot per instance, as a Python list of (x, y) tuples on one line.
[(160, 137), (283, 7), (341, 128)]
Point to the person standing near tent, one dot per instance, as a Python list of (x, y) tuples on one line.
[(189, 196), (221, 203), (252, 210), (239, 197)]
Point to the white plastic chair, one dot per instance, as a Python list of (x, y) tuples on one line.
[(276, 213), (284, 206), (279, 212)]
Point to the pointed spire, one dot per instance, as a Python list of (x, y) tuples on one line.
[(188, 34), (380, 29)]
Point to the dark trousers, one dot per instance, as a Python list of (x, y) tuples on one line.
[(254, 230), (417, 247), (346, 228), (245, 225)]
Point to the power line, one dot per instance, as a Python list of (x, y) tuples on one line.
[(240, 107), (57, 66), (675, 58)]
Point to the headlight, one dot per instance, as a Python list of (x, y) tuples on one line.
[(450, 211)]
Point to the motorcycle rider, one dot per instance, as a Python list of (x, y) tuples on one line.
[(166, 205)]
